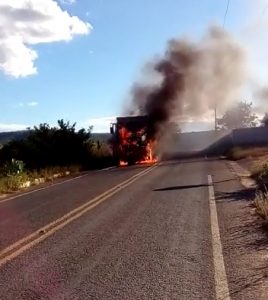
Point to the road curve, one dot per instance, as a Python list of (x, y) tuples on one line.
[(151, 239)]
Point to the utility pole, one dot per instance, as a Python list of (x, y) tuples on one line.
[(216, 122), (223, 26)]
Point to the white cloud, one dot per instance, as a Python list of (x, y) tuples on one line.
[(33, 103), (24, 23), (12, 127), (67, 1), (99, 124), (18, 105), (28, 104)]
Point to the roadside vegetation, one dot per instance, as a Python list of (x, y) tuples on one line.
[(261, 205), (257, 158), (258, 167), (47, 153), (260, 173), (238, 153), (23, 178)]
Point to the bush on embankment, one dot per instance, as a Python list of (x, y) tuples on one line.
[(47, 152)]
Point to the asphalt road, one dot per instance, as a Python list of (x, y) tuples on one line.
[(149, 237)]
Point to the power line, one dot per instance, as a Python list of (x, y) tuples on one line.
[(224, 21), (226, 13)]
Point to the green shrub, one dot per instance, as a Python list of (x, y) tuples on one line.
[(12, 168)]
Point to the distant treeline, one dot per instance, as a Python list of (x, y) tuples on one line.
[(6, 137), (44, 146)]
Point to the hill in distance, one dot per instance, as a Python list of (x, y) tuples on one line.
[(6, 137)]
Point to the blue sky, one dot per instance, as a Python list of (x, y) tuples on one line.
[(86, 78)]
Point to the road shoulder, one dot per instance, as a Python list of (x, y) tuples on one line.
[(244, 242)]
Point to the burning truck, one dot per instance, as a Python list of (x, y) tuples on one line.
[(130, 142)]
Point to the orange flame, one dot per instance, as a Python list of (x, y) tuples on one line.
[(123, 163), (126, 139), (149, 159)]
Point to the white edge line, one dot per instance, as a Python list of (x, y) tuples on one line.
[(221, 282)]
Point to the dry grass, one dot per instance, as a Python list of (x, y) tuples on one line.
[(261, 204), (12, 183), (238, 153), (258, 167), (49, 173), (9, 184), (257, 161)]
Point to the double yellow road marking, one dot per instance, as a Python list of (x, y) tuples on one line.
[(41, 234)]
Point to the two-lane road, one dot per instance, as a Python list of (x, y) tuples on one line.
[(133, 233)]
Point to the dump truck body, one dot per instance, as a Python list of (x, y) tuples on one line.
[(130, 141)]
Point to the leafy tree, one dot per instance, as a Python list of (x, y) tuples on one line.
[(51, 146), (240, 116), (264, 121)]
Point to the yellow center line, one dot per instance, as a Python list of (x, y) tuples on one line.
[(41, 234)]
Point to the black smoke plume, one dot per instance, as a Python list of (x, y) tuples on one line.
[(193, 78)]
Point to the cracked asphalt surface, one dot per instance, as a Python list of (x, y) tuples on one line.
[(151, 240)]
